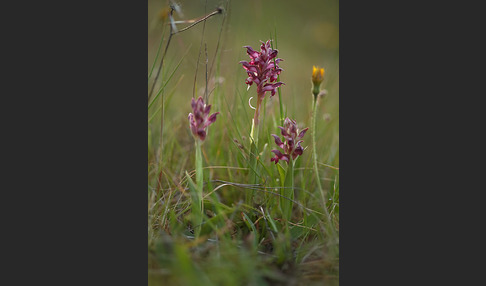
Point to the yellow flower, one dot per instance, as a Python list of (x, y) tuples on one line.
[(317, 75), (317, 78)]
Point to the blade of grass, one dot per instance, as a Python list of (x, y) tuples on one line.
[(168, 79), (156, 55)]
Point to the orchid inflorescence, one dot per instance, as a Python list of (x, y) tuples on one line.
[(291, 146), (200, 119), (262, 69)]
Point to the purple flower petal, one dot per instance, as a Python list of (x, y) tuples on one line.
[(249, 67), (278, 156), (272, 54), (278, 141), (298, 151), (302, 133), (293, 130), (251, 52), (207, 109), (284, 132), (212, 119), (271, 86), (201, 134), (194, 129), (290, 143)]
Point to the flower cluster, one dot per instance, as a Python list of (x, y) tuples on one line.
[(263, 69), (199, 120), (291, 146)]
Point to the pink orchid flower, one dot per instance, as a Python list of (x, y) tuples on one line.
[(291, 144), (262, 69), (199, 120)]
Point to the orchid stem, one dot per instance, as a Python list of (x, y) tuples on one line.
[(314, 152), (198, 206), (255, 127), (316, 170), (286, 200)]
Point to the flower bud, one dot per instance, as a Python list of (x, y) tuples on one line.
[(317, 78)]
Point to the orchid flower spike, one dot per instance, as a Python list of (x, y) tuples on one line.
[(200, 119), (263, 69), (291, 144)]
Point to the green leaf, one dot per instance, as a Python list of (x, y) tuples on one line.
[(196, 211), (252, 227)]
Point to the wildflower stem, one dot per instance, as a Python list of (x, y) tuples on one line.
[(198, 209), (218, 10), (286, 200), (199, 167), (255, 128), (257, 112), (253, 160), (330, 229), (314, 152)]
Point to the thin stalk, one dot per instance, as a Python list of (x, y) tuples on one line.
[(255, 128), (282, 115), (316, 170), (256, 117), (253, 160), (199, 168), (163, 56), (314, 152), (198, 206), (280, 102), (161, 139), (288, 191), (219, 41), (156, 56), (218, 10)]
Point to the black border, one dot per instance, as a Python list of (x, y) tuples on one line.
[(77, 151), (409, 141)]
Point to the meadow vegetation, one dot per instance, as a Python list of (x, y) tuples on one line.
[(234, 197)]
